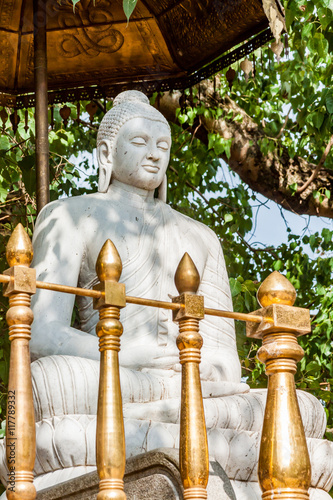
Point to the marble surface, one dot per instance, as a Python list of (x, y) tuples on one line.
[(154, 475)]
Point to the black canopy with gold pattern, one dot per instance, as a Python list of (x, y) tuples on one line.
[(51, 53), (163, 43)]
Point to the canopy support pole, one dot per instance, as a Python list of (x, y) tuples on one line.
[(41, 115)]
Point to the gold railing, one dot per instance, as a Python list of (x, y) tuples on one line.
[(20, 428), (284, 468)]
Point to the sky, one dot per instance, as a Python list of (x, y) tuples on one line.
[(271, 221), (270, 233)]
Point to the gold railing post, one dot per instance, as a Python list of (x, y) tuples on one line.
[(110, 435), (193, 448), (20, 426), (284, 469)]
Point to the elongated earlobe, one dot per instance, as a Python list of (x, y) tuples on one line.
[(104, 161), (162, 189)]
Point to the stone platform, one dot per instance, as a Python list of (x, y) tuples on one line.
[(153, 475)]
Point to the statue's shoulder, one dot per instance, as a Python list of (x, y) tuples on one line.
[(66, 219), (70, 208)]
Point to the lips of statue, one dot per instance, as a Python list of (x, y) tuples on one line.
[(141, 153)]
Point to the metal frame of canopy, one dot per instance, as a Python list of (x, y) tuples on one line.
[(41, 97)]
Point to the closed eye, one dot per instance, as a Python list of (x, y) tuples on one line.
[(138, 141), (163, 145)]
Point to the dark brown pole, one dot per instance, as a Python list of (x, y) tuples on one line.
[(42, 142)]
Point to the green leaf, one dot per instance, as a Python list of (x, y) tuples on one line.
[(327, 3), (278, 265), (312, 366), (4, 142), (307, 29), (211, 140), (227, 146), (27, 166), (318, 45), (238, 118), (248, 301), (313, 242), (228, 217), (235, 287), (329, 101), (221, 146), (318, 119), (3, 194), (327, 235), (129, 6), (191, 113), (293, 187), (74, 3), (182, 118), (207, 113)]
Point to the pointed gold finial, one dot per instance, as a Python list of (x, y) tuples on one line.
[(19, 251), (276, 289), (187, 278), (108, 265)]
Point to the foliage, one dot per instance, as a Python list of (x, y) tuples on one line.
[(301, 83), (18, 192), (293, 103), (128, 6), (229, 214)]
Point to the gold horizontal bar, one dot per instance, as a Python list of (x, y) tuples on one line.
[(96, 294), (254, 318), (211, 312), (153, 303), (84, 292)]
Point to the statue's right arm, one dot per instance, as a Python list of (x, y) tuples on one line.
[(58, 251)]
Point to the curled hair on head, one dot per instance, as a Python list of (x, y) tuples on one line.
[(127, 105)]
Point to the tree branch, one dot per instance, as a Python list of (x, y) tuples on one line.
[(318, 167), (284, 124), (190, 185), (269, 174)]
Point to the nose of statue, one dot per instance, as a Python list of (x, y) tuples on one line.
[(153, 154)]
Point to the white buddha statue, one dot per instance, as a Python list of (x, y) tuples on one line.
[(133, 149)]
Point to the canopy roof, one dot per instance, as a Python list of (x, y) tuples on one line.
[(164, 43)]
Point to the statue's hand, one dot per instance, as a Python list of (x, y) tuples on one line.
[(166, 410), (208, 372)]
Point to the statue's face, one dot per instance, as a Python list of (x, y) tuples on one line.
[(141, 153)]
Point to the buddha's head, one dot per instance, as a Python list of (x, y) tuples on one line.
[(133, 143)]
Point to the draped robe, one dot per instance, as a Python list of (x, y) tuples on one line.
[(151, 238)]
